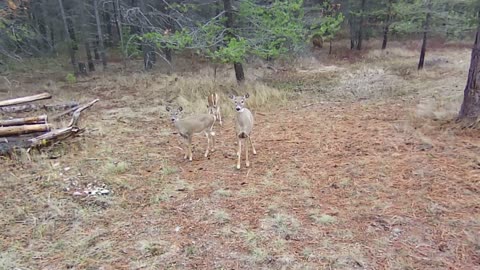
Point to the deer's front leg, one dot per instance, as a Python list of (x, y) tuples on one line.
[(239, 153)]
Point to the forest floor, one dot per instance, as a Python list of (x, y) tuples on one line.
[(364, 170)]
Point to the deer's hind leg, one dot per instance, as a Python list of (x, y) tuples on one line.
[(207, 134), (247, 162), (190, 154), (253, 147)]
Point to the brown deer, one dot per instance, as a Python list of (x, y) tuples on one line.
[(244, 126), (214, 107), (191, 125)]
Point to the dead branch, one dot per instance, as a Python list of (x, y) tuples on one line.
[(53, 135), (26, 99), (76, 114), (41, 119), (57, 116)]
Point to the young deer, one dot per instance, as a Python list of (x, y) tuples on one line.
[(192, 125), (244, 126), (214, 107)]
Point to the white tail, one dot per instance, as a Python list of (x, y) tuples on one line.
[(191, 125), (214, 107), (244, 127)]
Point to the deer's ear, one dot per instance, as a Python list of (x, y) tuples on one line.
[(167, 109), (231, 96), (180, 109), (247, 95)]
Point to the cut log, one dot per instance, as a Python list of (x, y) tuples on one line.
[(16, 130), (26, 99), (33, 107), (42, 119)]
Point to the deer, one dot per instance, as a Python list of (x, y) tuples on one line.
[(243, 126), (214, 107), (193, 125)]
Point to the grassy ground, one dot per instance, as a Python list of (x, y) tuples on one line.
[(359, 166)]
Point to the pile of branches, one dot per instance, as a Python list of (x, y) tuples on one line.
[(36, 131)]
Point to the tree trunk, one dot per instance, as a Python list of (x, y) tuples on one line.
[(385, 36), (71, 31), (227, 5), (360, 25), (471, 100), (95, 49), (99, 34), (425, 36), (118, 21), (71, 50), (330, 48)]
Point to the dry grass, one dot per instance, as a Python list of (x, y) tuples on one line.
[(372, 174)]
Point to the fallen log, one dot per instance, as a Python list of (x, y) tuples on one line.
[(34, 107), (16, 130), (41, 119), (26, 99)]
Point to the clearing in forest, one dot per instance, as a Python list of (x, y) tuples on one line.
[(358, 167)]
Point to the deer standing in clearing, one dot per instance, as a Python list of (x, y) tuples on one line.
[(244, 126), (214, 107), (191, 125)]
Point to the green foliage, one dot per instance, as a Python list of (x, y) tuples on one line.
[(451, 18), (132, 40), (70, 78), (272, 31), (329, 26), (233, 52), (176, 41)]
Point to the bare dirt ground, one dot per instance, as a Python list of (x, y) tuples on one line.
[(373, 177)]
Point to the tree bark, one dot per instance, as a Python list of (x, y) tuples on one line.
[(99, 34), (426, 28), (227, 5), (471, 99), (71, 50), (360, 25)]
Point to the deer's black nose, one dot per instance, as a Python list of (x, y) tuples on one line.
[(238, 109)]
